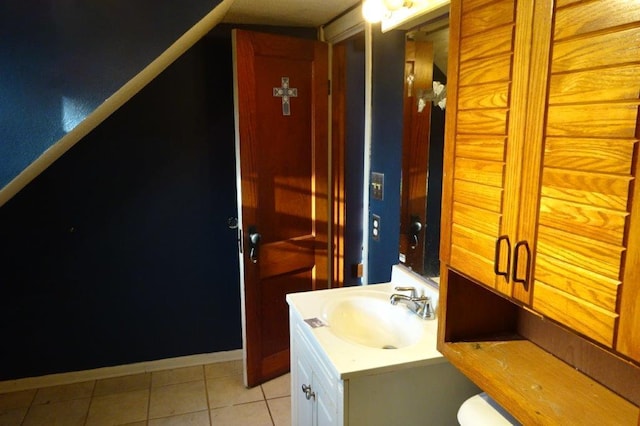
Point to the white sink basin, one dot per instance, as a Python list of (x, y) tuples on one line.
[(368, 318)]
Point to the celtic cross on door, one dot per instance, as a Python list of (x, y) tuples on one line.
[(285, 92)]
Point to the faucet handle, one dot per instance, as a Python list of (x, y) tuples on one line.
[(411, 289)]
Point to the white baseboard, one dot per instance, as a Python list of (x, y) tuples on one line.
[(118, 370)]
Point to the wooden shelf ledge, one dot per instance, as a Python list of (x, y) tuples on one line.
[(536, 387)]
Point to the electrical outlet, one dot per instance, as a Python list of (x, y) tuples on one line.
[(375, 227)]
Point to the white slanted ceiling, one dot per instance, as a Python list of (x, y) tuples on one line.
[(295, 13)]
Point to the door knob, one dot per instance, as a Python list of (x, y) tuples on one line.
[(254, 240), (414, 230)]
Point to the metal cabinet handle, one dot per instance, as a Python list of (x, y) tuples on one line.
[(306, 389), (516, 257), (496, 261)]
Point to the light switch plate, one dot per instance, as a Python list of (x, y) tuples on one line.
[(377, 186)]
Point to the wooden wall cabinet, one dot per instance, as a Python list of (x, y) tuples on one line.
[(541, 203)]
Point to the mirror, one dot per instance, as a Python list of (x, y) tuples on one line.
[(426, 52)]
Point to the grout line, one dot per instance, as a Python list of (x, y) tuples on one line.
[(266, 402)]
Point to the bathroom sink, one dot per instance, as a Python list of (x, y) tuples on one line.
[(369, 319)]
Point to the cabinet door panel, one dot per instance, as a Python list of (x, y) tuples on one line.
[(594, 16), (595, 189), (486, 18), (483, 121), (485, 70), (579, 251), (488, 172), (621, 83), (487, 44), (589, 120), (489, 148), (576, 313), (581, 283), (477, 195), (482, 221), (621, 47), (609, 156), (599, 224)]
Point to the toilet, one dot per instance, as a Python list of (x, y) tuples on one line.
[(481, 410)]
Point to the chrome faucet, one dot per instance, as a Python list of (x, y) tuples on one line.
[(419, 305)]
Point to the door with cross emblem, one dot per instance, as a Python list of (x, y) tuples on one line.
[(281, 103)]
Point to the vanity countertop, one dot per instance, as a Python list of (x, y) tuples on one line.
[(351, 359)]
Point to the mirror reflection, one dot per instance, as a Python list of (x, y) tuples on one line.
[(426, 51)]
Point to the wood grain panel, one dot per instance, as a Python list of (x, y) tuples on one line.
[(485, 70), (579, 282), (492, 95), (604, 155), (591, 222), (489, 17), (481, 147), (479, 220), (581, 316), (469, 5), (483, 122), (598, 190), (476, 242), (478, 195), (284, 256), (593, 120), (594, 16), (535, 386), (621, 47), (621, 83), (487, 44), (582, 252), (488, 172), (471, 264), (563, 3)]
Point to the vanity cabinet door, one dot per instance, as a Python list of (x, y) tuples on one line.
[(484, 138), (585, 217), (312, 400)]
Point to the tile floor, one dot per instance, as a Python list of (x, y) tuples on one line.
[(211, 394)]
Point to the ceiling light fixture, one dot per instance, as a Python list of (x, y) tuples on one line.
[(375, 11)]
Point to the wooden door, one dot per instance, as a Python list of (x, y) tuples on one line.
[(281, 90), (583, 209), (416, 130), (487, 91)]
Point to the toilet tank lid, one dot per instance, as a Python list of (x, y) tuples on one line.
[(481, 410)]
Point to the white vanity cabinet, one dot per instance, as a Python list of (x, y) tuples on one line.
[(350, 384), (314, 389)]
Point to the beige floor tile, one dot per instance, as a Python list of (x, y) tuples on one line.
[(63, 413), (278, 387), (22, 399), (201, 418), (177, 399), (122, 384), (280, 409), (253, 413), (223, 369), (177, 375), (226, 391), (13, 416), (118, 409), (64, 392)]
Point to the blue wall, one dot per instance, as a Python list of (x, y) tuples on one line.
[(119, 252), (59, 60), (386, 149)]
